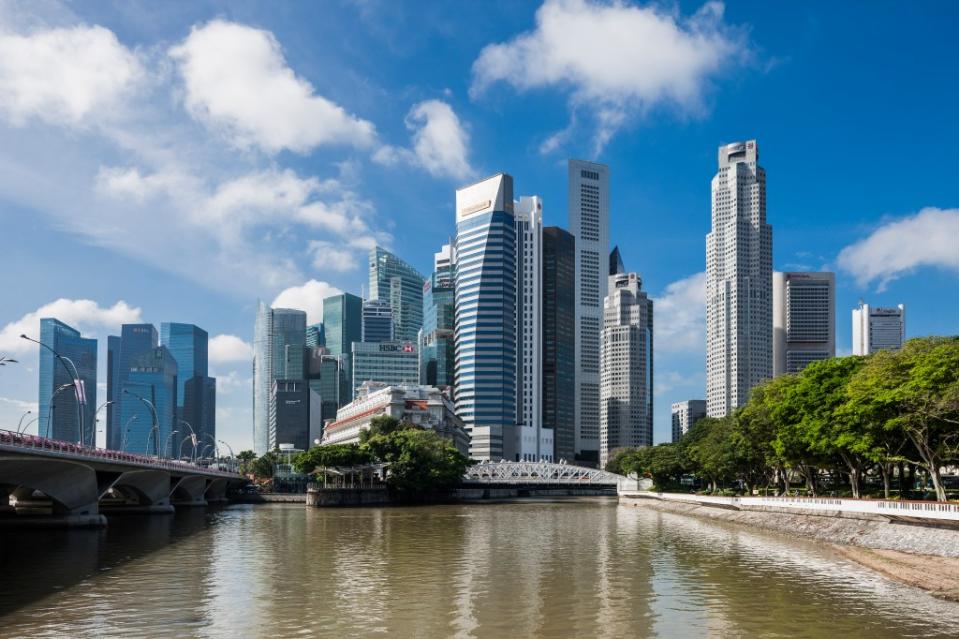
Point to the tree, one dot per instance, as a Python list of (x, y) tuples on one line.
[(708, 446), (384, 425), (418, 460), (265, 465), (330, 456), (245, 457)]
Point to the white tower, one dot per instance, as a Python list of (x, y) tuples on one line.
[(804, 320), (588, 201), (875, 328), (738, 281)]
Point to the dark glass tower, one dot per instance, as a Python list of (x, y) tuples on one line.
[(151, 375), (559, 339), (196, 390), (394, 281), (61, 418), (439, 305), (279, 340), (134, 340)]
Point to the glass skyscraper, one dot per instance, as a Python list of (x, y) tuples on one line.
[(377, 321), (395, 281), (279, 343), (559, 339), (315, 335), (61, 419), (151, 375), (439, 305), (391, 363), (134, 340), (196, 390), (485, 358)]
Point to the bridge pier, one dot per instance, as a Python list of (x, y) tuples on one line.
[(188, 490), (140, 491), (71, 488), (216, 491)]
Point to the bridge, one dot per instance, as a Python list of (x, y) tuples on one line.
[(78, 484), (539, 475)]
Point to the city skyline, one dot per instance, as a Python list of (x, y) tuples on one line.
[(874, 239)]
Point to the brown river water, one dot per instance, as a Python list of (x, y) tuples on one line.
[(575, 567)]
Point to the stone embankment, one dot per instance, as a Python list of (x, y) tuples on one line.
[(921, 554)]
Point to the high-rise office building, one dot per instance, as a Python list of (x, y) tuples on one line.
[(327, 384), (804, 320), (588, 201), (485, 360), (315, 335), (436, 339), (290, 412), (559, 340), (616, 265), (146, 430), (279, 340), (72, 405), (396, 282), (134, 340), (533, 442), (343, 322), (626, 371), (196, 390), (685, 415), (875, 328), (391, 363), (739, 272), (377, 325)]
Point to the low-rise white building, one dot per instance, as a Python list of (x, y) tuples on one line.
[(424, 406)]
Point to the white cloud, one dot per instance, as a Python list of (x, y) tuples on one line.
[(84, 315), (330, 256), (225, 349), (928, 238), (231, 382), (615, 58), (668, 382), (128, 183), (680, 316), (20, 404), (308, 297), (237, 81), (440, 143), (65, 75)]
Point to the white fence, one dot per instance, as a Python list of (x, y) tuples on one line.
[(893, 509)]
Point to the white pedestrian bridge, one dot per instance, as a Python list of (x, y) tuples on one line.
[(508, 473)]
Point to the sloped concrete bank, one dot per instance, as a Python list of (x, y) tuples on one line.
[(866, 531)]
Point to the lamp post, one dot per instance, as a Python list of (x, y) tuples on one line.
[(27, 425), (96, 420), (126, 429), (50, 404), (216, 449), (6, 360), (75, 376), (156, 420), (20, 423), (167, 444), (193, 439), (232, 455)]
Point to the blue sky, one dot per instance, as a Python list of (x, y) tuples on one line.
[(177, 161)]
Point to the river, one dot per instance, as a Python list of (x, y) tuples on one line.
[(582, 567)]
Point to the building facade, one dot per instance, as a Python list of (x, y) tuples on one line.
[(533, 442), (67, 413), (328, 389), (134, 340), (377, 323), (804, 320), (485, 352), (396, 282), (738, 281), (392, 363), (875, 328), (437, 338), (196, 390), (626, 378), (279, 343), (685, 415), (559, 340), (290, 412), (588, 201), (147, 430), (424, 406), (315, 335)]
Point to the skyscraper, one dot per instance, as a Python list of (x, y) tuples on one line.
[(391, 363), (804, 320), (343, 321), (279, 342), (685, 415), (315, 335), (436, 342), (396, 282), (71, 407), (533, 442), (738, 281), (616, 265), (152, 376), (196, 390), (626, 387), (326, 381), (485, 357), (377, 321), (559, 340), (290, 413), (588, 201), (134, 340), (875, 329)]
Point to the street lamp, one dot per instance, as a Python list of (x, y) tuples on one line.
[(27, 425), (169, 437), (50, 404), (75, 376), (20, 423), (126, 429), (156, 420), (232, 455), (193, 439), (6, 360)]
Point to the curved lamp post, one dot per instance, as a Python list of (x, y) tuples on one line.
[(27, 425), (60, 389), (216, 449), (20, 423), (75, 376), (167, 444), (193, 440), (6, 360), (156, 420), (232, 455), (126, 429)]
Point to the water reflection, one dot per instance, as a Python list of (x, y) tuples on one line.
[(567, 568)]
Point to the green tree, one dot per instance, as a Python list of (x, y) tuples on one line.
[(708, 446), (330, 456), (265, 465), (418, 460), (245, 457)]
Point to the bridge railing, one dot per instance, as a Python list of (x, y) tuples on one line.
[(542, 473), (25, 441)]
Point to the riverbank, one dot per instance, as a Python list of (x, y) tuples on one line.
[(923, 556)]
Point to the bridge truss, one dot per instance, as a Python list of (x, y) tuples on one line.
[(540, 473)]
